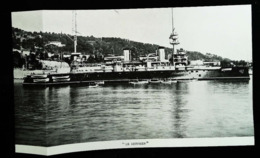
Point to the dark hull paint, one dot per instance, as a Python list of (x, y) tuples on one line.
[(237, 73)]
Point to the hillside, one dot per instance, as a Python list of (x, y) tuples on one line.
[(89, 45)]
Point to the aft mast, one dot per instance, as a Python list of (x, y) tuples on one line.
[(74, 30), (75, 55), (173, 38)]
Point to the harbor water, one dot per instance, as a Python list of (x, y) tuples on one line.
[(50, 116)]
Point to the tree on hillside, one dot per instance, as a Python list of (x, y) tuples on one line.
[(239, 62), (134, 53), (225, 63), (91, 59), (16, 43), (38, 41), (17, 59)]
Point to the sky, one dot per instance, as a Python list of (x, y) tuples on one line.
[(222, 30)]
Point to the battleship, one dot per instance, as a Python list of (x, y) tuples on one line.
[(175, 68)]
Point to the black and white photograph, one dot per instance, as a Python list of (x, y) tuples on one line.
[(98, 79)]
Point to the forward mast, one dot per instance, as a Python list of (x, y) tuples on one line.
[(173, 38)]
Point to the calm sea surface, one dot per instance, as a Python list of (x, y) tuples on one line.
[(74, 114)]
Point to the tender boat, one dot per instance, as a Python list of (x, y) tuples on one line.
[(37, 80), (184, 81), (93, 85), (139, 82), (166, 81), (38, 76), (100, 82), (61, 78), (174, 81), (155, 81)]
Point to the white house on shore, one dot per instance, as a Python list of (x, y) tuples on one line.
[(56, 43)]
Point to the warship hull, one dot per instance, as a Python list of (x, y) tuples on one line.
[(235, 73)]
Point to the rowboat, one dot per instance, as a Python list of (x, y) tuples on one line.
[(61, 78), (155, 81), (37, 80), (39, 76), (139, 82), (93, 85)]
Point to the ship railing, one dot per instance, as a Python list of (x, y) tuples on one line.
[(160, 68)]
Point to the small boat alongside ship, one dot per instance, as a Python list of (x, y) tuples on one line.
[(65, 78), (39, 76), (184, 81), (93, 85), (173, 80), (100, 82), (167, 81), (139, 82), (41, 80), (155, 81)]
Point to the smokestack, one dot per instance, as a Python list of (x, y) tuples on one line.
[(127, 54), (161, 54)]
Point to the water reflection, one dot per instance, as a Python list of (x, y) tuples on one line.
[(74, 114), (30, 115), (180, 114)]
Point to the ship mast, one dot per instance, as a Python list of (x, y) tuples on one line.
[(173, 38), (74, 30)]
